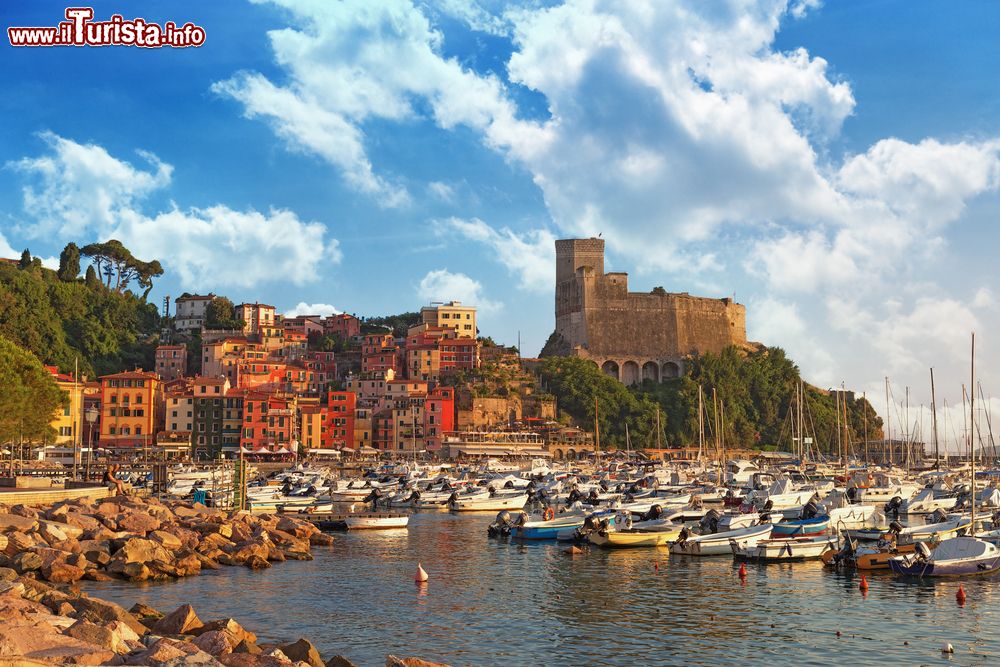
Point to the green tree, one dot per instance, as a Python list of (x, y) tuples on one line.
[(25, 259), (221, 314), (69, 263), (119, 267), (30, 396), (91, 278)]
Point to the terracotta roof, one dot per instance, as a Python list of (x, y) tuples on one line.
[(195, 297), (126, 375)]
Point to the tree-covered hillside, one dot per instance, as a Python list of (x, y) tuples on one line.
[(754, 391), (60, 317)]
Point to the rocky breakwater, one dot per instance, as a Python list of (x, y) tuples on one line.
[(141, 539), (43, 624)]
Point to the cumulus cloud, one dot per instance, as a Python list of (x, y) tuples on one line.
[(80, 191), (303, 308), (443, 285), (531, 257)]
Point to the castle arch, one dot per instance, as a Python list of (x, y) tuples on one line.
[(630, 373), (671, 370), (651, 371), (570, 454), (557, 454), (611, 368)]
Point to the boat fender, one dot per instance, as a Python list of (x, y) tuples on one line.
[(549, 514)]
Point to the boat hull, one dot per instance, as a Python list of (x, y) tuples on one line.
[(801, 527), (626, 540)]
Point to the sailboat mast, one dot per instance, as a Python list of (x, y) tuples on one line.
[(837, 398), (887, 427), (937, 453), (864, 396), (972, 431), (701, 423), (597, 430)]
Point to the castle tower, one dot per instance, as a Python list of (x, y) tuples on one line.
[(578, 263)]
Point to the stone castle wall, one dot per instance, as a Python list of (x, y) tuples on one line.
[(632, 335)]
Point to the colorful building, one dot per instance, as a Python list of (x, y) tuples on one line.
[(171, 362), (256, 316), (209, 405), (341, 406), (129, 402), (342, 326), (380, 353), (453, 315), (68, 420), (189, 311)]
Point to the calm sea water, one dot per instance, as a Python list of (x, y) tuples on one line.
[(502, 603)]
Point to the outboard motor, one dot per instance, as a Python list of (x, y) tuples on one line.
[(604, 486), (710, 522), (684, 535), (414, 496), (895, 527), (452, 498), (810, 510), (654, 513), (509, 484), (893, 506), (923, 552), (492, 491), (939, 516), (768, 506), (592, 499), (852, 493), (501, 525), (574, 495), (373, 498)]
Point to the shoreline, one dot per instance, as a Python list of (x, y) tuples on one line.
[(45, 551)]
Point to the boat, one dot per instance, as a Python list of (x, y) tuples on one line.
[(866, 556), (361, 521), (719, 544), (802, 527), (621, 539), (791, 549), (954, 557), (489, 502)]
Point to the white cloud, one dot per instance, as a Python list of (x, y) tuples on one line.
[(531, 257), (442, 191), (303, 308), (6, 250), (80, 191), (443, 285)]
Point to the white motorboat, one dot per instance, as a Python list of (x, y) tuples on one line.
[(489, 503), (719, 544), (793, 549)]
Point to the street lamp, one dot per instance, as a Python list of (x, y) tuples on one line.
[(91, 414)]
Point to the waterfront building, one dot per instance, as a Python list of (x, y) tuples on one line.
[(339, 421), (307, 325), (209, 400), (439, 417), (313, 426), (178, 401), (129, 402), (485, 444), (189, 311), (268, 423), (452, 315), (343, 326), (68, 420)]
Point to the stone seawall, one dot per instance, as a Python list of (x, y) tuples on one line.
[(44, 551)]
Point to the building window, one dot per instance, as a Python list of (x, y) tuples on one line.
[(138, 430)]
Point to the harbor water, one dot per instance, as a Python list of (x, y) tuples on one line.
[(491, 602)]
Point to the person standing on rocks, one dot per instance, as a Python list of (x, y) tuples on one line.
[(112, 481)]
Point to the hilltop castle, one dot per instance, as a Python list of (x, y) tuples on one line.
[(633, 336)]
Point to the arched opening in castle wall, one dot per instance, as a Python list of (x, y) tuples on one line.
[(570, 454), (611, 368), (557, 454), (671, 370), (630, 373), (651, 371)]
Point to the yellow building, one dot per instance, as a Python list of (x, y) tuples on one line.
[(129, 409), (313, 418), (452, 315), (68, 420)]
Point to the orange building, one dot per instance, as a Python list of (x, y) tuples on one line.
[(171, 362), (256, 316), (340, 406), (130, 410)]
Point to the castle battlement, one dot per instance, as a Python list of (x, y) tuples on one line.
[(635, 335)]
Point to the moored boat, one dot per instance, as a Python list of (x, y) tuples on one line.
[(954, 557), (614, 539), (719, 544), (793, 549), (802, 527)]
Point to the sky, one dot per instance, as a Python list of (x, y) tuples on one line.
[(835, 166)]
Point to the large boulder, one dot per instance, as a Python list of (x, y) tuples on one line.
[(166, 540), (82, 521), (100, 611), (61, 572), (141, 550), (230, 626), (303, 651), (180, 621), (393, 661), (137, 522), (27, 561), (339, 661), (167, 652)]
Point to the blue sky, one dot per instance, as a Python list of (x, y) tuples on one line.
[(833, 165)]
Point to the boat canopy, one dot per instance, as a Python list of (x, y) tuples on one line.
[(961, 547)]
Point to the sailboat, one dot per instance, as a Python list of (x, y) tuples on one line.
[(957, 556)]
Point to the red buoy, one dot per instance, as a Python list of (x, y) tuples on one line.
[(421, 574), (743, 571), (960, 596), (656, 566), (863, 586)]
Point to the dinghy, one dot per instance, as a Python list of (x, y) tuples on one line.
[(614, 539), (954, 557), (794, 549), (719, 544)]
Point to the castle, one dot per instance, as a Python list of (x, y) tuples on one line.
[(633, 336)]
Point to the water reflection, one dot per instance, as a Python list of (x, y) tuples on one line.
[(490, 602)]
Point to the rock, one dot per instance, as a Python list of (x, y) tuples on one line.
[(98, 557), (18, 542), (247, 647), (136, 572), (172, 653), (188, 565), (339, 661), (249, 660), (7, 574), (99, 611), (17, 522), (62, 573), (393, 661), (97, 575), (92, 633), (180, 621), (303, 651), (27, 561), (230, 626), (167, 540), (321, 540), (222, 529), (136, 522), (141, 550), (52, 532), (82, 521), (145, 613), (257, 563), (215, 642)]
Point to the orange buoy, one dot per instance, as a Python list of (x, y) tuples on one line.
[(960, 596), (421, 573), (573, 551), (743, 571), (656, 566), (863, 586)]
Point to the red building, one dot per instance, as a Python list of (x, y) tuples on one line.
[(171, 362), (268, 422), (380, 353), (339, 432), (342, 326), (439, 416)]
